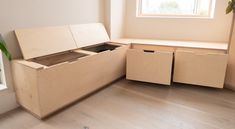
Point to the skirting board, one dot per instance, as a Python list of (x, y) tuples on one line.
[(7, 101), (227, 86)]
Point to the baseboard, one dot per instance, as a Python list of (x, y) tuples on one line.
[(227, 86), (7, 101)]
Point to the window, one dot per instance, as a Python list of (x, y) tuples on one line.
[(2, 72), (2, 83), (176, 8)]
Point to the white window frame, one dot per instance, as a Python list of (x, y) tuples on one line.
[(209, 16), (2, 76)]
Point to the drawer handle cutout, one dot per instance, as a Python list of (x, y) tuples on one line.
[(149, 51)]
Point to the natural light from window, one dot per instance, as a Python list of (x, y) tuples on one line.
[(176, 8), (2, 85)]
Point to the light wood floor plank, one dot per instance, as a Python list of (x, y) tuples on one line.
[(135, 105)]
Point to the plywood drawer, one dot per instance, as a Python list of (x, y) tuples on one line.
[(149, 66), (200, 68)]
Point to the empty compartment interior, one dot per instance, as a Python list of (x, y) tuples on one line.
[(101, 47), (58, 58)]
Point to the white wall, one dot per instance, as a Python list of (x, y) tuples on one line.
[(115, 11), (216, 29), (118, 11), (7, 101), (17, 14), (108, 16)]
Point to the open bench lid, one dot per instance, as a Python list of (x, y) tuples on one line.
[(89, 34), (39, 42)]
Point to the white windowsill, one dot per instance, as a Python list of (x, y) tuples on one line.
[(2, 87), (175, 17)]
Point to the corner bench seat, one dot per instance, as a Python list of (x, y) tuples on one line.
[(189, 62)]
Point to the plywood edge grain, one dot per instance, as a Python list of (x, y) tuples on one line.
[(30, 64), (171, 43)]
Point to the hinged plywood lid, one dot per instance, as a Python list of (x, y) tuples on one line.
[(89, 34), (39, 42)]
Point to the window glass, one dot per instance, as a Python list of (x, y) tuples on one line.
[(202, 8)]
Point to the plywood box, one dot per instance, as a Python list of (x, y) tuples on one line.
[(200, 67), (150, 65), (46, 82)]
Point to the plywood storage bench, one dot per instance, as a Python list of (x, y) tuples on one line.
[(63, 64), (197, 63)]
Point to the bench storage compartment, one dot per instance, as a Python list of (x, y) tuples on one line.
[(58, 58), (149, 65), (200, 67), (46, 82), (101, 47)]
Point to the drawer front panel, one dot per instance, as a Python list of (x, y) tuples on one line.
[(200, 69), (149, 66)]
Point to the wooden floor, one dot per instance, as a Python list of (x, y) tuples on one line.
[(134, 105)]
